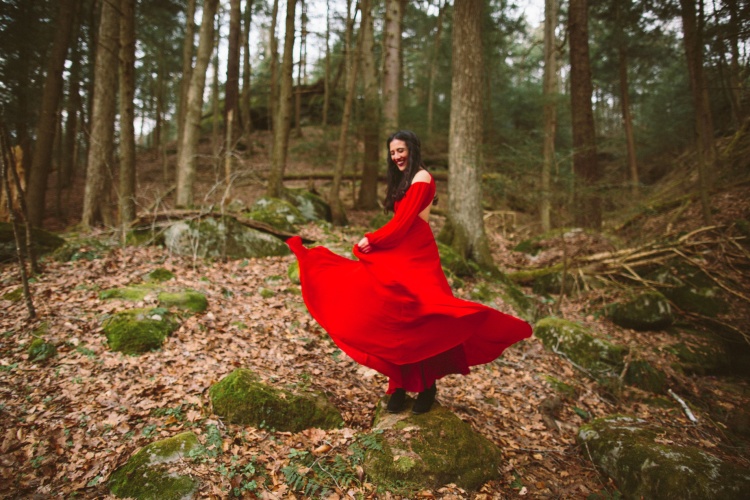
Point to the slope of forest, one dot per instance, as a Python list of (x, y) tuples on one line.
[(69, 423)]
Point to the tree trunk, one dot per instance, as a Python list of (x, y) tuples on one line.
[(433, 68), (550, 109), (48, 114), (232, 85), (187, 68), (187, 151), (300, 69), (215, 111), (338, 214), (464, 228), (736, 81), (127, 114), (627, 120), (327, 78), (97, 196), (273, 96), (391, 64), (703, 124), (283, 118), (246, 119), (368, 188), (587, 204), (69, 154)]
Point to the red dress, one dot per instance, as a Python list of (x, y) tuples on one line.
[(393, 309)]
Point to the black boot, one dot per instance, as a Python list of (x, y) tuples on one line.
[(424, 400), (396, 402)]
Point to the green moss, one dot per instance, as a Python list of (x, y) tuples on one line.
[(160, 275), (138, 330), (578, 343), (146, 475), (705, 359), (455, 263), (561, 387), (292, 272), (426, 451), (265, 292), (145, 236), (278, 213), (40, 351), (483, 293), (529, 276), (132, 293), (311, 206), (690, 289), (188, 300), (641, 374), (42, 242), (242, 398), (624, 448), (14, 295), (645, 311)]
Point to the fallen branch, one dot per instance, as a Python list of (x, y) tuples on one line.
[(685, 407)]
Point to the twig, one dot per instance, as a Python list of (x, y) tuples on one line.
[(685, 407)]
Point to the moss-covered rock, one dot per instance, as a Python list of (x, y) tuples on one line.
[(160, 275), (292, 272), (14, 295), (624, 448), (131, 293), (427, 451), (555, 283), (642, 374), (455, 263), (188, 300), (77, 248), (707, 358), (242, 398), (278, 213), (310, 205), (578, 343), (146, 475), (222, 237), (138, 330), (143, 236), (42, 242), (644, 311), (40, 350), (690, 289)]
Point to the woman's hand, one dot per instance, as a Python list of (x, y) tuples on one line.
[(364, 245)]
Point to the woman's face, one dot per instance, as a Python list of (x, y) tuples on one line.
[(399, 154)]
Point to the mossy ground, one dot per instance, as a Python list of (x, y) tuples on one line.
[(138, 330)]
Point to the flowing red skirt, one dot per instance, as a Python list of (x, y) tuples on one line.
[(394, 311)]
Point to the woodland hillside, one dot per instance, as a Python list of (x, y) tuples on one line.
[(591, 161)]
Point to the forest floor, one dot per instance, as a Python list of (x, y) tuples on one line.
[(68, 424)]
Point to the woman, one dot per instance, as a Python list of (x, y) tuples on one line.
[(393, 309)]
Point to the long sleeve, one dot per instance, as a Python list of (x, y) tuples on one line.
[(414, 201)]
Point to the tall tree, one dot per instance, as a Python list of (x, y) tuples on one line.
[(48, 115), (434, 66), (464, 228), (187, 68), (549, 96), (187, 152), (394, 12), (693, 41), (247, 121), (273, 44), (368, 188), (587, 204), (127, 113), (97, 196), (232, 85), (283, 117), (327, 77)]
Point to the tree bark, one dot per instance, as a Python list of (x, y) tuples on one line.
[(300, 69), (703, 123), (327, 78), (69, 154), (127, 114), (273, 96), (433, 68), (283, 118), (627, 120), (187, 151), (464, 228), (246, 119), (368, 188), (587, 204), (48, 114), (97, 196), (391, 64), (187, 68), (550, 109), (232, 85)]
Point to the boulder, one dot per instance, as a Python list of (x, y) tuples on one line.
[(627, 450), (644, 311), (147, 475), (600, 357), (310, 205), (242, 398), (223, 237), (42, 242), (418, 452), (642, 374), (707, 358), (132, 293), (187, 300), (690, 289), (138, 330), (159, 275), (278, 213)]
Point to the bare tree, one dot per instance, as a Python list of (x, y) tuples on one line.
[(187, 67), (247, 121), (283, 118), (97, 196), (273, 44), (127, 114), (550, 107), (232, 85), (187, 151), (464, 228)]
